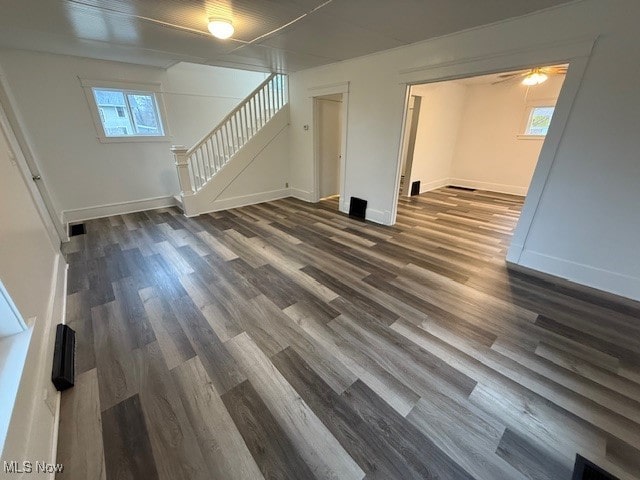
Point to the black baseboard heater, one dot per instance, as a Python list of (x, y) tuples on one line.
[(63, 373)]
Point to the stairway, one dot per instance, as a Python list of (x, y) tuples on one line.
[(207, 168)]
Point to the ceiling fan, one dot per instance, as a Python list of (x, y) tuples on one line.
[(532, 76)]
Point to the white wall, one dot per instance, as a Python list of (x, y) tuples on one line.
[(199, 96), (34, 277), (441, 112), (80, 171), (469, 134), (265, 179), (489, 153), (586, 226), (24, 245)]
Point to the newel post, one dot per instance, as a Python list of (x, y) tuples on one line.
[(182, 166)]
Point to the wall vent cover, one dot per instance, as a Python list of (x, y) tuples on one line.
[(77, 229), (415, 188), (358, 208)]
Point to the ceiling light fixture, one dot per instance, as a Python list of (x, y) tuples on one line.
[(220, 28), (536, 77)]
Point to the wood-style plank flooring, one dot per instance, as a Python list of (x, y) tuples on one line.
[(285, 340)]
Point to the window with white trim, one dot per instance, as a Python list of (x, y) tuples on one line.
[(539, 120), (128, 113)]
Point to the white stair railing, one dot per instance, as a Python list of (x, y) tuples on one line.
[(197, 165)]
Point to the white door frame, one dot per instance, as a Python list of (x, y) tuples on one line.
[(407, 155), (11, 128), (321, 91), (576, 53)]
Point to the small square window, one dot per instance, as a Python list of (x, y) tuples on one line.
[(126, 113), (539, 121)]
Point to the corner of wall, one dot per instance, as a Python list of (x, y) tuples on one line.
[(427, 187), (383, 217), (303, 195), (579, 273)]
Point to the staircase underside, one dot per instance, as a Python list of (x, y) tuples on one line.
[(204, 200)]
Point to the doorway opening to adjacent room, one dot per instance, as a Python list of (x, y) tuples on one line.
[(329, 145), (475, 142)]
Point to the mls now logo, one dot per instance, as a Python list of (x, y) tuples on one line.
[(31, 467)]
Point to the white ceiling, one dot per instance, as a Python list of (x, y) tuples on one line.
[(271, 35)]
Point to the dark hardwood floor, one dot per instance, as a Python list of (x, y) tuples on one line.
[(285, 340)]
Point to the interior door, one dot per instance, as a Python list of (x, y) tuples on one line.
[(329, 145), (10, 126)]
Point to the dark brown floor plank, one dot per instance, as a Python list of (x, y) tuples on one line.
[(79, 319), (127, 449), (530, 459), (132, 311), (117, 375), (173, 442), (418, 451), (360, 439), (271, 448), (217, 361)]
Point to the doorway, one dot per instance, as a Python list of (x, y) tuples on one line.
[(329, 145), (480, 133)]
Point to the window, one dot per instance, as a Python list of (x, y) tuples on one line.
[(539, 121), (128, 113)]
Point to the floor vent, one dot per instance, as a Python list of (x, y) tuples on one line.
[(466, 189), (585, 470), (358, 208), (77, 229)]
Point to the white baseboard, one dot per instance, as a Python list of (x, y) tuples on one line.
[(60, 311), (301, 195), (382, 217), (463, 182), (427, 187), (599, 279), (492, 187), (244, 200), (99, 211), (514, 252)]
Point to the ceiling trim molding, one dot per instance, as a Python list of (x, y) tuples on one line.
[(124, 85), (519, 58), (328, 89)]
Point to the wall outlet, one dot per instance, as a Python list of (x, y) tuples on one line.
[(286, 185)]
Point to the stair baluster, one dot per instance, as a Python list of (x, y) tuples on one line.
[(197, 165)]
